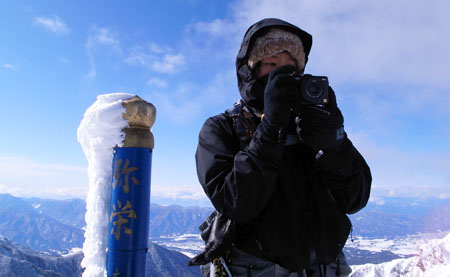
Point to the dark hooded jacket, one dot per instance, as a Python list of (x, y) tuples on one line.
[(289, 208)]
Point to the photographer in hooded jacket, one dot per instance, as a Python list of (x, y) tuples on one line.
[(278, 166)]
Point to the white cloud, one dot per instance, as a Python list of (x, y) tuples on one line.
[(179, 192), (385, 43), (169, 63), (92, 74), (99, 37), (44, 191), (188, 101), (11, 66), (156, 82), (219, 28), (100, 41), (158, 49), (216, 42), (139, 56), (180, 105), (55, 24), (64, 60), (158, 58), (401, 173), (24, 177), (382, 40)]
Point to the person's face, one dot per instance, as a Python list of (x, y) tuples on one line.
[(270, 63)]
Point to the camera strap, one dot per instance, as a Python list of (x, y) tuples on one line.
[(245, 121)]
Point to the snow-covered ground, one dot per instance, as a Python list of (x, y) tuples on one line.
[(429, 254), (402, 246), (431, 259), (188, 244)]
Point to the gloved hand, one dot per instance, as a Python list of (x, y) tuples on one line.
[(219, 237), (321, 127), (281, 92)]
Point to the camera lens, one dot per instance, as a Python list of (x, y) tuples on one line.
[(314, 89)]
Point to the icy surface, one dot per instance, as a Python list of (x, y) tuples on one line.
[(188, 244), (99, 132), (432, 259)]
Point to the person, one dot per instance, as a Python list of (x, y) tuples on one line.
[(279, 170)]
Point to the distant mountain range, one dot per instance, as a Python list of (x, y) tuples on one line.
[(56, 227), (69, 212), (164, 220), (17, 260), (176, 220), (27, 225), (398, 217)]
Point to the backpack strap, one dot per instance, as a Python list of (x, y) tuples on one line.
[(244, 122)]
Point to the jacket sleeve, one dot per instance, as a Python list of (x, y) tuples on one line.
[(239, 183), (347, 177)]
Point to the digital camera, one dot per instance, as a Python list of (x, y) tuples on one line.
[(313, 89)]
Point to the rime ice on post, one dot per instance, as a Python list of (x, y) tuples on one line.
[(101, 130)]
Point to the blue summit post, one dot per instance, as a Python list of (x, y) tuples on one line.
[(130, 193)]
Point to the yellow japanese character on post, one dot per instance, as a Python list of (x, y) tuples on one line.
[(119, 212), (122, 175)]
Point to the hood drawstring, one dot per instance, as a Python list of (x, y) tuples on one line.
[(351, 233)]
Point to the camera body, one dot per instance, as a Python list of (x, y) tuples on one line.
[(313, 89)]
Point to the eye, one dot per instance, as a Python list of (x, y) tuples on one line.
[(271, 64)]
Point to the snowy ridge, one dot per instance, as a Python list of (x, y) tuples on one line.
[(432, 259)]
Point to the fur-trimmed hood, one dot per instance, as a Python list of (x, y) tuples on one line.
[(252, 92)]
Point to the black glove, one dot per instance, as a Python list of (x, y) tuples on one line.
[(281, 92), (321, 127), (219, 236)]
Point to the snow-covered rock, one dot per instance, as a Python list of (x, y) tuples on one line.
[(432, 259)]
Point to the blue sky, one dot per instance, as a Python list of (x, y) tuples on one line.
[(387, 61)]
